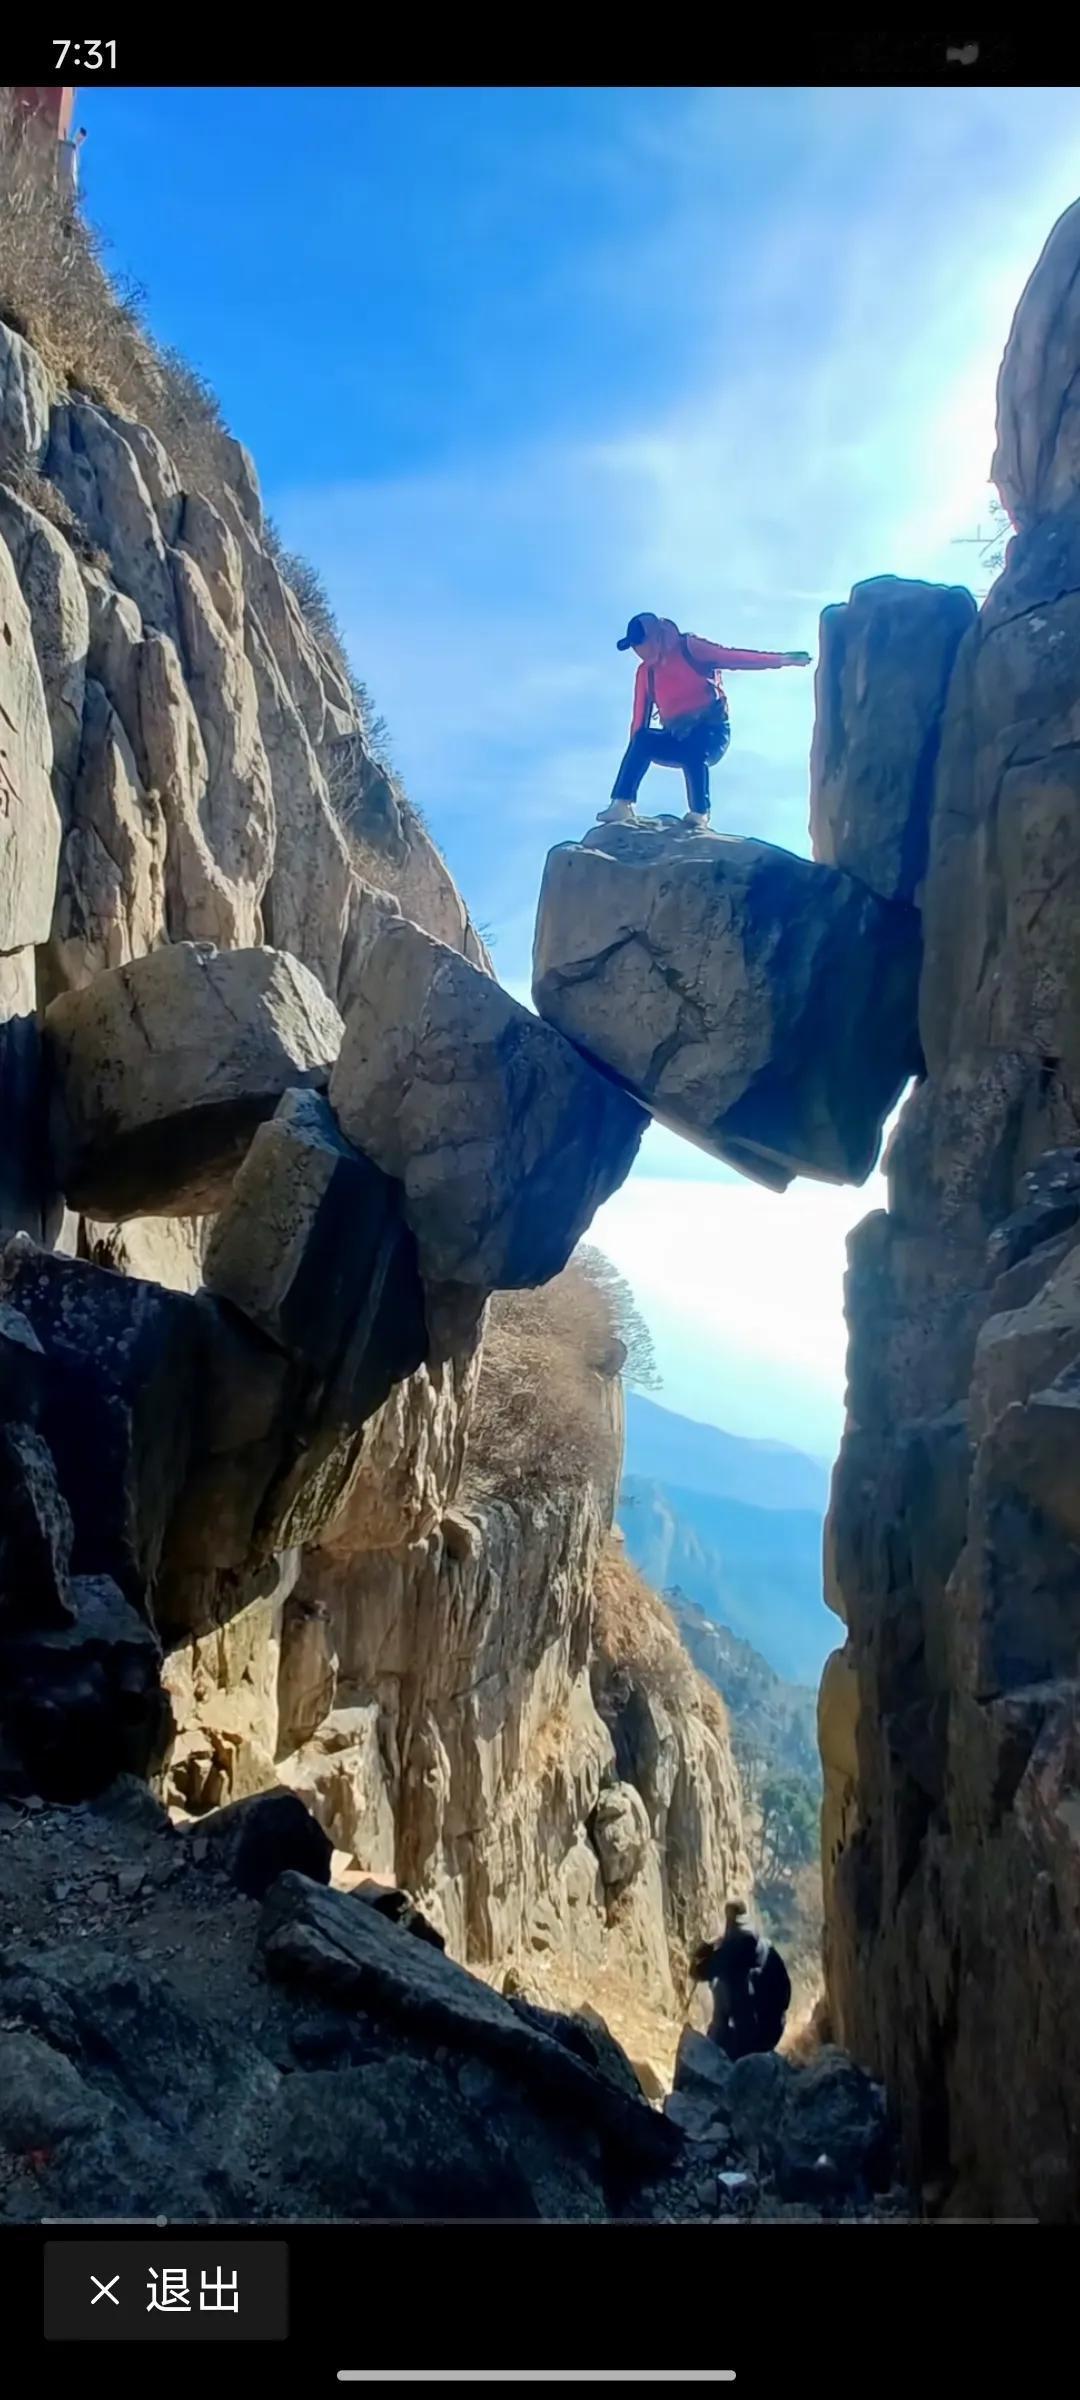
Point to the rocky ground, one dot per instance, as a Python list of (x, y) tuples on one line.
[(171, 2045)]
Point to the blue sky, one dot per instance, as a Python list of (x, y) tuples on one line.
[(514, 364)]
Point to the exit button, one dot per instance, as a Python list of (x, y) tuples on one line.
[(162, 2291)]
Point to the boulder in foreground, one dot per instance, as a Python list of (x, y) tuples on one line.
[(761, 1005), (164, 1067), (505, 1139)]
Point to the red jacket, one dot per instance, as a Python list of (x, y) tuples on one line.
[(677, 691)]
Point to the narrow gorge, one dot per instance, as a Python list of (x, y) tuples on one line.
[(359, 1806)]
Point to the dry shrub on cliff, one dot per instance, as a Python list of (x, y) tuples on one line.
[(88, 325), (90, 328), (542, 1419), (636, 1639)]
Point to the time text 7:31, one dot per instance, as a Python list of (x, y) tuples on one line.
[(93, 56)]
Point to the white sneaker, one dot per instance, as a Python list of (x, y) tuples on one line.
[(618, 812), (695, 821)]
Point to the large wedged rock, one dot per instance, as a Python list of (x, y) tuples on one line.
[(883, 672), (312, 1249), (505, 1140), (1036, 464), (29, 819), (163, 1068), (761, 1005)]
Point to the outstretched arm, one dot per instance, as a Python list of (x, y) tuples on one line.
[(713, 654)]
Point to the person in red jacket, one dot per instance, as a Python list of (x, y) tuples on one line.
[(679, 681)]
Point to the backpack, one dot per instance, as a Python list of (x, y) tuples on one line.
[(770, 1987), (706, 674)]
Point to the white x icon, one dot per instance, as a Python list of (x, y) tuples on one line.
[(105, 2290)]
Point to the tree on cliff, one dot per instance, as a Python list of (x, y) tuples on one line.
[(641, 1365), (991, 543), (788, 1831)]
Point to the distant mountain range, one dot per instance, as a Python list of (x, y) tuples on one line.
[(736, 1527), (702, 1458), (772, 1721)]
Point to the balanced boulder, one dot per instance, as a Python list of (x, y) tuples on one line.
[(761, 1005), (506, 1141), (164, 1067)]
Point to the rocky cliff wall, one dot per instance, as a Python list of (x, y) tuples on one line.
[(340, 1608), (949, 1722), (456, 1714)]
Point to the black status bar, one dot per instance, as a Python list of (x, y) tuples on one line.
[(361, 53)]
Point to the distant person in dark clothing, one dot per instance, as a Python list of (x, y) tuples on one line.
[(750, 1985)]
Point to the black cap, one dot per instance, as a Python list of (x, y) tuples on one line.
[(635, 633)]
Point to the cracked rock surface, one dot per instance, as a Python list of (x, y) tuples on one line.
[(760, 1004)]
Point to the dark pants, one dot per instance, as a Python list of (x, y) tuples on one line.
[(695, 752)]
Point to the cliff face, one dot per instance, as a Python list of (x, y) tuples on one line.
[(337, 1606), (949, 1722)]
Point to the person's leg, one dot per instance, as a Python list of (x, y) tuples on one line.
[(702, 750), (696, 771), (652, 747), (695, 767)]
